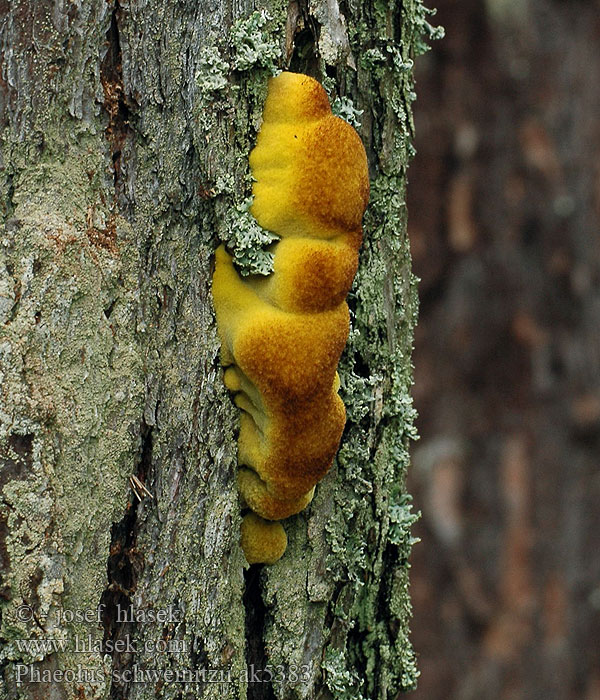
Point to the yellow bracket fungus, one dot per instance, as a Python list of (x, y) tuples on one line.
[(282, 335)]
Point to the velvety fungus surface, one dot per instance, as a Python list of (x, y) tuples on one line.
[(282, 335)]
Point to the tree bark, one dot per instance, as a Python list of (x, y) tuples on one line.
[(126, 130)]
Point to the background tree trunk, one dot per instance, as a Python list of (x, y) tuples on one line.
[(505, 213), (126, 129)]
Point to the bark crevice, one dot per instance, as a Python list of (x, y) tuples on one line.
[(111, 77), (259, 685), (124, 566)]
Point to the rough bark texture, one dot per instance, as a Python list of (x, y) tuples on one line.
[(505, 213), (126, 129)]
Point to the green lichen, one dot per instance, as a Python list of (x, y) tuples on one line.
[(343, 682), (423, 31), (344, 107), (341, 106), (255, 43), (247, 240), (213, 71), (402, 519)]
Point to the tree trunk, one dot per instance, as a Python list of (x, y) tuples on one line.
[(507, 371), (126, 131)]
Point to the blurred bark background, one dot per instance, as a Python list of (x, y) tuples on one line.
[(504, 200)]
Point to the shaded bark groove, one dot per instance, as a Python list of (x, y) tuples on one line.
[(125, 563)]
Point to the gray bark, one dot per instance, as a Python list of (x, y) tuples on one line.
[(125, 133)]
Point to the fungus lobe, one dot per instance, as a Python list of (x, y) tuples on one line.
[(282, 335)]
